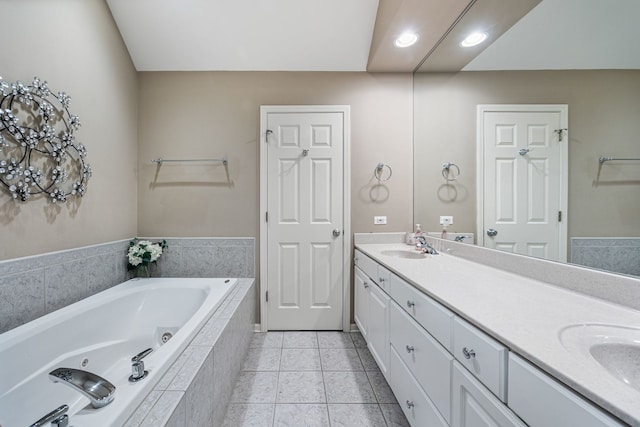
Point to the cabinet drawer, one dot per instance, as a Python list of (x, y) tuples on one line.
[(425, 358), (428, 313), (367, 265), (542, 401), (474, 406), (483, 356), (415, 404)]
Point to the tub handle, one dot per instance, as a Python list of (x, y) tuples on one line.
[(57, 417), (138, 357), (137, 367)]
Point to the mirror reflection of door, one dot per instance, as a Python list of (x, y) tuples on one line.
[(522, 179)]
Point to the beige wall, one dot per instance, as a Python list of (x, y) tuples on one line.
[(604, 119), (215, 114), (76, 47)]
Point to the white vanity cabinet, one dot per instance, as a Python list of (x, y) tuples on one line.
[(371, 308), (542, 401), (424, 358), (361, 302), (473, 405), (483, 356)]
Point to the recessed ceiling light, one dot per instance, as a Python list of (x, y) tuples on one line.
[(406, 39), (473, 39)]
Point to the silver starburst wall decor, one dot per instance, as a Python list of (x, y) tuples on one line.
[(39, 154)]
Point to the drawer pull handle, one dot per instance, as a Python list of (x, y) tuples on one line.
[(468, 354), (410, 404), (410, 304), (410, 348)]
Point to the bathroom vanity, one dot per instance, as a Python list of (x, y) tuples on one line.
[(465, 344)]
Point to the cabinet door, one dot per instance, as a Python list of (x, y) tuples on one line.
[(475, 406), (361, 302), (378, 332)]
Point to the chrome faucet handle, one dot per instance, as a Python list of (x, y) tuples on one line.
[(98, 390), (137, 367), (58, 417), (138, 357)]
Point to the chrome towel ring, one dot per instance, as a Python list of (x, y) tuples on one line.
[(448, 173), (378, 172)]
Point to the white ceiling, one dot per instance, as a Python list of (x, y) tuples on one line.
[(266, 35), (336, 35), (568, 34)]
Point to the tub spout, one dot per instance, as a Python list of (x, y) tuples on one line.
[(98, 390)]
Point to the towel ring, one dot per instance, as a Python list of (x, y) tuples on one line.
[(448, 174), (379, 171)]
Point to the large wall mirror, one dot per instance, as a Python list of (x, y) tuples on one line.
[(600, 87)]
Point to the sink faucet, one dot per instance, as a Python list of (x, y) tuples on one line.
[(425, 246), (98, 390)]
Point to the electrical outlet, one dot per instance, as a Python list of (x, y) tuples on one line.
[(380, 220), (446, 220)]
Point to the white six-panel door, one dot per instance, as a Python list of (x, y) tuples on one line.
[(304, 220), (523, 184)]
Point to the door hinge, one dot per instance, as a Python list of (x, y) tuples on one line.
[(266, 217), (560, 133), (559, 216), (266, 294), (266, 136)]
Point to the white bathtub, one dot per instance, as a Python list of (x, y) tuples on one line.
[(101, 334)]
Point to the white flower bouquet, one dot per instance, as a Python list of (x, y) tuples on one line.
[(142, 253)]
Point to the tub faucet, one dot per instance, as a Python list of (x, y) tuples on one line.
[(425, 246), (460, 238), (98, 390)]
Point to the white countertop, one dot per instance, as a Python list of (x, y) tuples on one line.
[(524, 314)]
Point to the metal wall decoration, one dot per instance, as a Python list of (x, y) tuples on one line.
[(39, 154)]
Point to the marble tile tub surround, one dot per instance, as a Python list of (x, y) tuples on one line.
[(207, 257), (619, 254), (197, 388), (33, 286), (623, 290)]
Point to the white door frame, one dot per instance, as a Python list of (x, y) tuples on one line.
[(563, 109), (346, 220)]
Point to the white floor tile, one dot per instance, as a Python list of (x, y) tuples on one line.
[(301, 387), (303, 339), (356, 415), (249, 415), (296, 415), (300, 359)]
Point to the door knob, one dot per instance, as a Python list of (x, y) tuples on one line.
[(336, 232), (492, 232)]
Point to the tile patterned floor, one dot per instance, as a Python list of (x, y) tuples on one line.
[(311, 379)]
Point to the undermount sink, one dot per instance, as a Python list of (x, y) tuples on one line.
[(615, 348), (404, 254)]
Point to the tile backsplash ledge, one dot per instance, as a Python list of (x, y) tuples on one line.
[(33, 286)]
